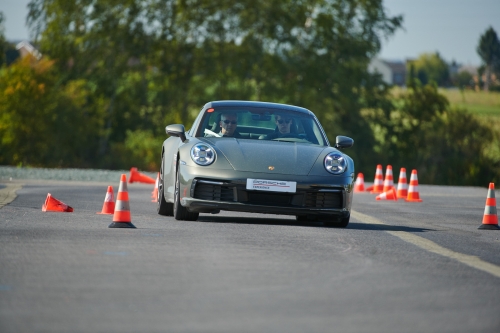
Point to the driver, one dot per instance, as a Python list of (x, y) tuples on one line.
[(228, 124)]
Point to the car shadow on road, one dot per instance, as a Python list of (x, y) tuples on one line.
[(385, 227), (259, 220), (312, 224)]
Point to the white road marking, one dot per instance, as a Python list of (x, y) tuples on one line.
[(471, 261)]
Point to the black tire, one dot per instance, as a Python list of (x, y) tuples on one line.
[(336, 222), (180, 212), (163, 208)]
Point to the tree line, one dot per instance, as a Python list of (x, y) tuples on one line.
[(115, 73), (431, 67)]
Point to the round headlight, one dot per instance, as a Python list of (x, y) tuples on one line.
[(335, 163), (203, 154)]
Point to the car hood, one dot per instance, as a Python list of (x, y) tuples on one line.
[(268, 156)]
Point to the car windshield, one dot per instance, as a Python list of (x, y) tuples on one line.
[(261, 124)]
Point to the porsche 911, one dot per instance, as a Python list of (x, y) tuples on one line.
[(256, 157)]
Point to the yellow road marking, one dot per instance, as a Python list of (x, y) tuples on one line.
[(423, 243), (8, 193)]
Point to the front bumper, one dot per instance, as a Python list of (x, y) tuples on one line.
[(207, 193)]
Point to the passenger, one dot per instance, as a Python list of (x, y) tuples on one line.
[(283, 128)]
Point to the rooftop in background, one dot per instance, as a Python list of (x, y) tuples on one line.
[(26, 48)]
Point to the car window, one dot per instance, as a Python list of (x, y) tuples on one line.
[(261, 124)]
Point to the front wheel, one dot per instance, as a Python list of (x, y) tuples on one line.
[(163, 208), (180, 212)]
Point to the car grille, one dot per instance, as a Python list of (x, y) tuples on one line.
[(213, 192), (324, 199), (232, 193)]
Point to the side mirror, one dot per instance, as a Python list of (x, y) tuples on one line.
[(343, 142), (176, 130)]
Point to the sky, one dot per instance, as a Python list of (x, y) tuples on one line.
[(450, 27)]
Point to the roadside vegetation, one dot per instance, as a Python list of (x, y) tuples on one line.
[(108, 84)]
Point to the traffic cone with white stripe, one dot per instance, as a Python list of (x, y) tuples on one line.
[(389, 179), (389, 195), (490, 218), (108, 207), (359, 186), (413, 195), (121, 216), (402, 185), (378, 183)]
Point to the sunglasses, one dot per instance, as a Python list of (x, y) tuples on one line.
[(229, 121), (281, 121)]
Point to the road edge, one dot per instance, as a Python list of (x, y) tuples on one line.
[(9, 192)]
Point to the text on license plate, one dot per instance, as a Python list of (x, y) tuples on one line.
[(271, 185)]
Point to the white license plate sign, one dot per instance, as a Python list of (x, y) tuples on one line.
[(271, 185)]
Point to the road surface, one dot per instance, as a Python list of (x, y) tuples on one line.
[(397, 267)]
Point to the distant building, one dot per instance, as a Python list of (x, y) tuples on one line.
[(393, 72), (25, 48), (472, 70)]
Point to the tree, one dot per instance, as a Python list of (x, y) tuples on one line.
[(157, 61), (489, 51), (3, 41), (463, 80), (430, 67), (420, 131), (43, 123)]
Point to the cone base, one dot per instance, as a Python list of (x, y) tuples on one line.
[(121, 225), (413, 200), (105, 213), (489, 227)]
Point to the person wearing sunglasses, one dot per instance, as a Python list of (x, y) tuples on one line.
[(283, 124), (283, 128), (228, 123)]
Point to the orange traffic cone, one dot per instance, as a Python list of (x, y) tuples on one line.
[(359, 186), (389, 195), (378, 183), (53, 205), (108, 206), (490, 218), (136, 176), (121, 216), (389, 179), (413, 195), (154, 194), (402, 185)]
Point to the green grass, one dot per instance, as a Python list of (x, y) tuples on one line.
[(482, 103)]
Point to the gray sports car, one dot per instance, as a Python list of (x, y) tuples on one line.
[(255, 157)]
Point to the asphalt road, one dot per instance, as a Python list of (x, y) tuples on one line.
[(398, 267)]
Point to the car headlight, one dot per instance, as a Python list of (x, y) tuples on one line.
[(203, 154), (335, 163)]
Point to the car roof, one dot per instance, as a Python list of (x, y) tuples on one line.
[(254, 104)]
